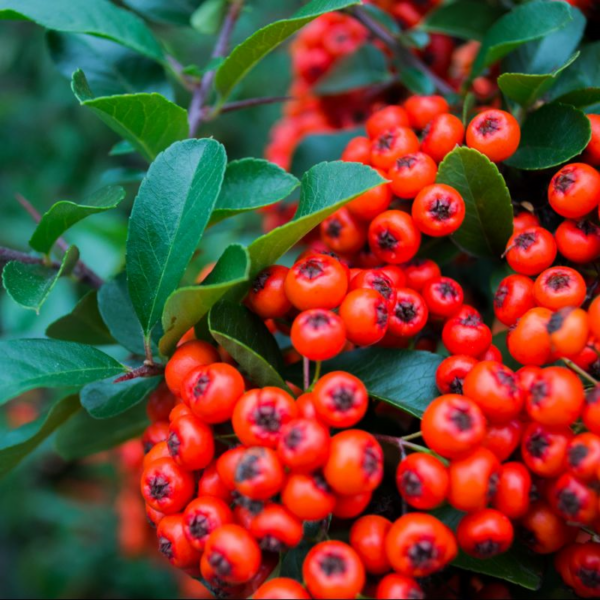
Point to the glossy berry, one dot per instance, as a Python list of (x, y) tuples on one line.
[(453, 425), (444, 297), (411, 173), (318, 334), (340, 399), (513, 298), (594, 316), (391, 145), (584, 456), (259, 474), (349, 507), (343, 232), (365, 314), (396, 586), (409, 314), (226, 466), (438, 210), (543, 531), (333, 570), (495, 133), (573, 500), (529, 342), (419, 272), (513, 490), (418, 545), (318, 281), (421, 110), (531, 251), (450, 375), (485, 534), (173, 544), (191, 443), (578, 241), (276, 529), (441, 135), (393, 237), (367, 537), (575, 190), (187, 357), (267, 296), (378, 280), (504, 438), (259, 416), (281, 588), (560, 287), (385, 119), (466, 333), (202, 516), (372, 203), (308, 497), (160, 403), (211, 484), (304, 445), (155, 434), (544, 449), (358, 150), (166, 487), (422, 481), (355, 463)]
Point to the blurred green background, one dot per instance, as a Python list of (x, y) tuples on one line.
[(58, 524)]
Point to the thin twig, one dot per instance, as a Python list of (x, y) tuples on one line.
[(196, 113), (580, 371), (143, 371), (306, 368), (149, 362), (404, 55), (252, 102)]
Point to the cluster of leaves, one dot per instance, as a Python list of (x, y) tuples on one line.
[(547, 79)]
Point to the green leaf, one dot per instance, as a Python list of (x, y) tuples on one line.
[(417, 81), (466, 19), (18, 443), (550, 52), (118, 313), (293, 560), (30, 364), (249, 184), (518, 565), (244, 335), (208, 16), (84, 324), (122, 148), (106, 399), (468, 106), (525, 89), (186, 306), (363, 68), (551, 136), (110, 69), (244, 57), (63, 215), (403, 378), (150, 122), (30, 285), (83, 435), (385, 18), (585, 74), (489, 220), (174, 12), (523, 24), (586, 99), (94, 17), (172, 208)]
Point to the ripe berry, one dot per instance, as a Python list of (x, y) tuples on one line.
[(575, 190), (419, 272), (529, 342), (393, 237), (372, 203), (494, 133), (340, 399), (226, 466), (202, 516), (466, 333), (378, 280), (422, 481), (259, 474), (560, 287), (573, 500), (231, 556), (531, 251), (187, 357), (318, 281), (160, 450), (355, 463), (543, 531), (584, 456), (166, 487), (173, 544), (211, 484), (343, 232), (333, 570), (259, 416), (485, 534), (584, 570), (365, 314), (513, 490), (385, 119), (155, 434), (349, 507), (411, 173), (367, 537), (391, 145), (473, 480), (513, 299), (418, 545), (308, 497), (276, 529), (160, 403), (409, 314), (281, 588), (318, 334), (422, 110), (524, 220), (503, 439), (212, 391), (438, 210), (304, 445), (450, 375), (578, 241), (544, 449), (396, 586), (444, 297), (191, 443), (442, 134)]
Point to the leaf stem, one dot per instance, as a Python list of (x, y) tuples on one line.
[(317, 375), (412, 436), (143, 371), (148, 351), (580, 371), (306, 369)]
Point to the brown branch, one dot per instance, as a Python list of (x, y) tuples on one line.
[(404, 55), (196, 113), (143, 371), (252, 102)]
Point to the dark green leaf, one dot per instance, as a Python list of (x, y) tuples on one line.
[(30, 285), (30, 364), (587, 99), (417, 81), (489, 220), (18, 443), (466, 19), (403, 378), (186, 306), (500, 342), (292, 561), (106, 399), (244, 57), (363, 68), (95, 17), (244, 335), (551, 136), (83, 435), (122, 148), (171, 210), (84, 324), (385, 18), (468, 106), (109, 68), (584, 74), (63, 215), (526, 89), (249, 184), (208, 16), (518, 565), (175, 12), (525, 23), (150, 122)]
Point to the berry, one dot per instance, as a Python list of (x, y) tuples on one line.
[(281, 588), (393, 237), (466, 333), (202, 516), (318, 334), (438, 210), (409, 314), (276, 529), (485, 534), (575, 191), (367, 537), (259, 474), (191, 443), (422, 481), (411, 173), (340, 399), (444, 297), (308, 497), (531, 251), (166, 487), (494, 133), (365, 314), (442, 134), (304, 445), (187, 357), (173, 544), (391, 145), (421, 110)]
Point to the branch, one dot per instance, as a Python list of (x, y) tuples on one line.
[(143, 371), (195, 112), (404, 55), (252, 102)]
